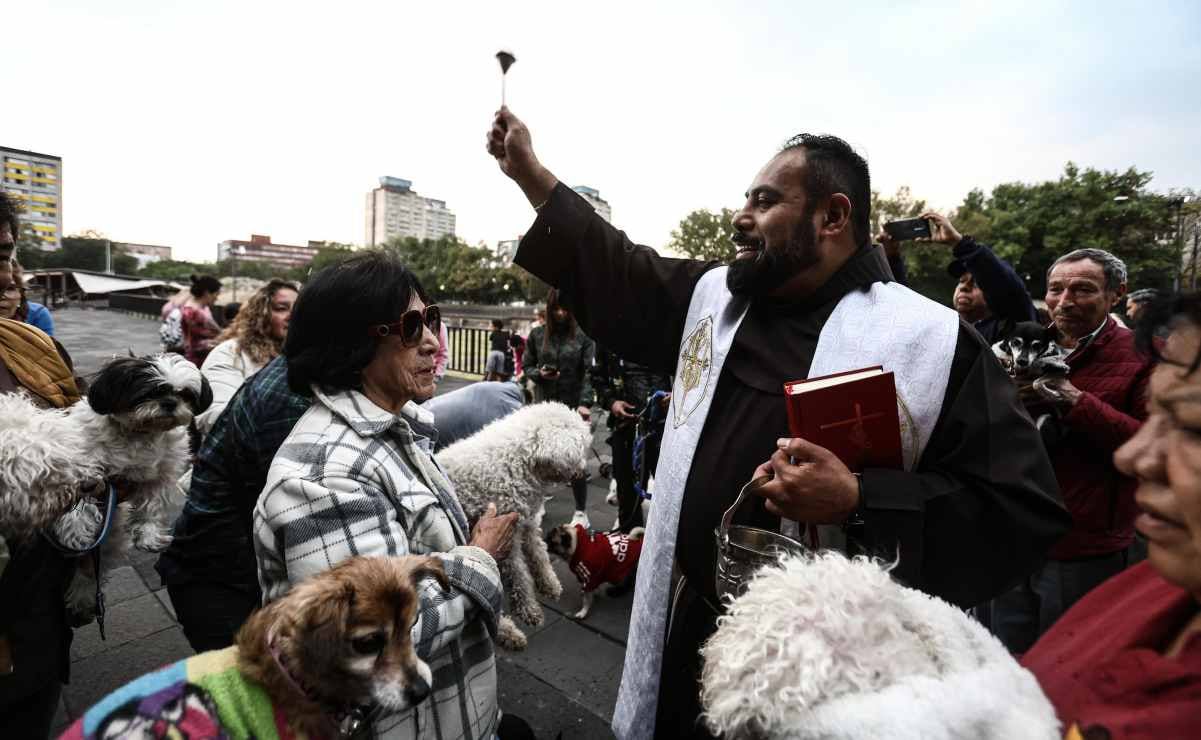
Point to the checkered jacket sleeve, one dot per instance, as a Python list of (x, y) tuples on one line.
[(331, 498)]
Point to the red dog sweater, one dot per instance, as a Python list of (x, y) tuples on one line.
[(603, 557)]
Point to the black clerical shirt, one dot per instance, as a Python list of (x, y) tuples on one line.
[(979, 511)]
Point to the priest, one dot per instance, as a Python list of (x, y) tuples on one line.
[(975, 506)]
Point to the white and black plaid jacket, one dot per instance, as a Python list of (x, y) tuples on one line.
[(352, 479)]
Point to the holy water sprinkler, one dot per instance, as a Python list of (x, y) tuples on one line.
[(506, 60)]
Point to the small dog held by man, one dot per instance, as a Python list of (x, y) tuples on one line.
[(328, 659)]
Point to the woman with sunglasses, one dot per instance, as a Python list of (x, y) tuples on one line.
[(356, 476)]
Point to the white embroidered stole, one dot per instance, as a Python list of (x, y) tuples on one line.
[(887, 325)]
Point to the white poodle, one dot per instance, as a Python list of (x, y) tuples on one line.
[(826, 647), (509, 462)]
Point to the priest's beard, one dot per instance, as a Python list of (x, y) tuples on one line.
[(771, 267)]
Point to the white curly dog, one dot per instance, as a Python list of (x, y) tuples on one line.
[(826, 647), (510, 462)]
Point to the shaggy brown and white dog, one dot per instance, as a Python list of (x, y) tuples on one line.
[(324, 660)]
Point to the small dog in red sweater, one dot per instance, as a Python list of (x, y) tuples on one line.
[(602, 557)]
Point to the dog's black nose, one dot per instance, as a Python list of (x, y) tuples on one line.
[(168, 404), (417, 690)]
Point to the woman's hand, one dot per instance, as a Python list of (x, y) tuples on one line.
[(494, 533), (585, 413)]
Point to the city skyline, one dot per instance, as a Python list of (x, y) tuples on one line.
[(283, 132)]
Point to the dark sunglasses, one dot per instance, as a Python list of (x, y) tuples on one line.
[(410, 326)]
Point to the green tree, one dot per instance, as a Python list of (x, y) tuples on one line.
[(705, 235), (1033, 224), (176, 270), (78, 253)]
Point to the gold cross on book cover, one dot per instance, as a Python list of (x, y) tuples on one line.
[(852, 414)]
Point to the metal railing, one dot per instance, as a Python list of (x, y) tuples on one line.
[(468, 349)]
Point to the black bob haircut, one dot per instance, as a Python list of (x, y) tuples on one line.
[(1168, 313), (329, 342), (832, 166), (202, 284)]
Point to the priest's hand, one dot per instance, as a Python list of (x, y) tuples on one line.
[(810, 484), (509, 141)]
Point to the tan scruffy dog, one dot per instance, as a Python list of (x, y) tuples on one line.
[(329, 659)]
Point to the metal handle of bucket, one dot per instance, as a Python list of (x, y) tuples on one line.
[(728, 517)]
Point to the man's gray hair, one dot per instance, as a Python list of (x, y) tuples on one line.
[(1113, 267)]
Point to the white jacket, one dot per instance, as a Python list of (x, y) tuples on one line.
[(226, 370)]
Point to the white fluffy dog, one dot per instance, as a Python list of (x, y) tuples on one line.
[(509, 462), (826, 647), (130, 431)]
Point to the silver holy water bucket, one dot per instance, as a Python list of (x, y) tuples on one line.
[(743, 550)]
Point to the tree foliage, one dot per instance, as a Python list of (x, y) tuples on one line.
[(705, 235), (80, 253)]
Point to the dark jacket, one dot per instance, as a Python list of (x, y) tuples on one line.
[(572, 355), (1003, 289), (1113, 377), (617, 380)]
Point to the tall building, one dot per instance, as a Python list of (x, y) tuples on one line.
[(599, 204), (506, 250), (36, 180), (395, 209), (261, 249)]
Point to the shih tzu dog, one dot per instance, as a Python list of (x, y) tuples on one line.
[(330, 656), (130, 432)]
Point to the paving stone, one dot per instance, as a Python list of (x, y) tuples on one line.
[(61, 718), (123, 623), (124, 584), (525, 695), (581, 665), (165, 599), (94, 678)]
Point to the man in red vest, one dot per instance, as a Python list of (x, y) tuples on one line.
[(1104, 402)]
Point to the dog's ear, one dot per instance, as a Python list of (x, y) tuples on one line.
[(428, 567), (320, 640), (206, 396), (111, 385), (1051, 333)]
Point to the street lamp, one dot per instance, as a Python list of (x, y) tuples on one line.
[(234, 253)]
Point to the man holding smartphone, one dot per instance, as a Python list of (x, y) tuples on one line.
[(990, 294)]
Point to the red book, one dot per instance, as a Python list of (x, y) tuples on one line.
[(852, 414)]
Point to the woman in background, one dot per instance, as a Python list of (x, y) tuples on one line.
[(200, 330), (558, 359), (254, 338), (15, 305)]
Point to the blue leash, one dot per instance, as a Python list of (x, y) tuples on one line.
[(106, 526), (652, 414)]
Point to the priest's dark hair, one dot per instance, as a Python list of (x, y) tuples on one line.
[(832, 166), (1168, 313), (329, 336)]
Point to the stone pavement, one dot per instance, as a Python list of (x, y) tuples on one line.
[(564, 684)]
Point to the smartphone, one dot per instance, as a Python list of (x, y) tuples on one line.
[(906, 229)]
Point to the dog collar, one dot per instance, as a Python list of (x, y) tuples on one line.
[(354, 722)]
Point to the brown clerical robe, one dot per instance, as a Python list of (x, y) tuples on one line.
[(980, 509)]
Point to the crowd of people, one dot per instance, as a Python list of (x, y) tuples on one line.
[(317, 447)]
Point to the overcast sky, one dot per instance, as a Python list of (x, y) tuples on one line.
[(186, 123)]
